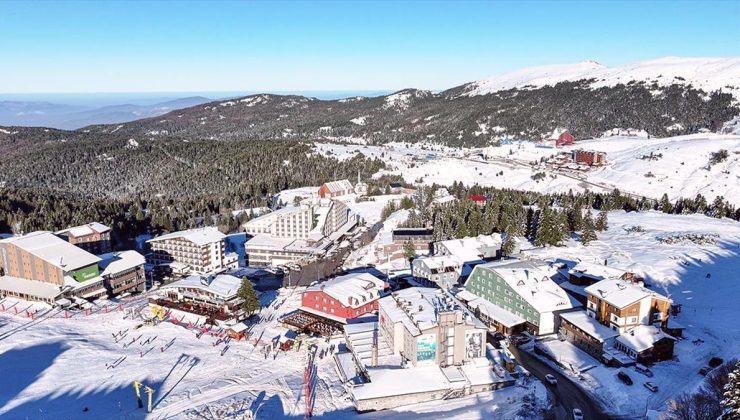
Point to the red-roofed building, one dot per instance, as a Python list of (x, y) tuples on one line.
[(564, 139), (480, 200), (345, 297)]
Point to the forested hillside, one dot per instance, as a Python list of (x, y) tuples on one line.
[(448, 117)]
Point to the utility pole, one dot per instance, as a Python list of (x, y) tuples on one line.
[(137, 387)]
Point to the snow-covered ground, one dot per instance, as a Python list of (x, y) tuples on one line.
[(678, 267), (57, 367), (681, 170), (708, 73)]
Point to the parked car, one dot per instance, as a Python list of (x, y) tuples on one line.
[(498, 336), (705, 370), (651, 386), (644, 370), (622, 375), (577, 414), (551, 379)]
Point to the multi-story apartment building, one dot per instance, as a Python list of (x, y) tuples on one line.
[(201, 250), (92, 237), (428, 326), (519, 289), (205, 295), (345, 297), (291, 234), (288, 222), (44, 257), (42, 266), (622, 305), (442, 270)]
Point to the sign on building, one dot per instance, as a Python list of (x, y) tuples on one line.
[(473, 345), (426, 348)]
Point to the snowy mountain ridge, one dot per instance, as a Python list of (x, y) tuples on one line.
[(709, 74)]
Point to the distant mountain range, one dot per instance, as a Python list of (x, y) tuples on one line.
[(70, 117), (664, 97)]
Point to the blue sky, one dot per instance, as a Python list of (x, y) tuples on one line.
[(291, 46)]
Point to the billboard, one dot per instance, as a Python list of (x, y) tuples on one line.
[(473, 344), (426, 348)]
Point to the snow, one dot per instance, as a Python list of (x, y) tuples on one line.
[(708, 74), (681, 171), (359, 120), (402, 99), (199, 236), (678, 270)]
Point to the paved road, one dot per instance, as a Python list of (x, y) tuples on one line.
[(567, 395)]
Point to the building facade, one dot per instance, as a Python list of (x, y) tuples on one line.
[(336, 189), (430, 327), (201, 250), (523, 288), (92, 237), (288, 222), (622, 305), (344, 297)]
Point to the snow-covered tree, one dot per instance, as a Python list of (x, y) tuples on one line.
[(588, 234), (731, 400)]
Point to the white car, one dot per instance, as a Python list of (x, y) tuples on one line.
[(577, 414), (551, 379), (651, 386)]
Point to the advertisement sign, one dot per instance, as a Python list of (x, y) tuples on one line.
[(426, 348), (473, 345)]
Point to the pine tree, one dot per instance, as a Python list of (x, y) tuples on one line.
[(588, 235), (665, 204), (509, 245), (250, 301), (409, 252), (731, 400), (602, 224)]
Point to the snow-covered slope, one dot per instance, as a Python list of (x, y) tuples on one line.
[(706, 73)]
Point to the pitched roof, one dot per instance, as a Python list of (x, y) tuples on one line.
[(29, 287), (531, 279), (468, 248), (54, 250), (589, 325), (115, 262), (223, 285), (620, 293), (642, 337), (353, 290), (596, 271), (200, 236), (85, 230), (339, 186)]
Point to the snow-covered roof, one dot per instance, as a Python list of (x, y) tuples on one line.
[(531, 279), (493, 311), (353, 290), (54, 250), (341, 186), (115, 262), (620, 293), (223, 285), (277, 213), (417, 308), (29, 287), (439, 261), (85, 230), (596, 271), (589, 325), (469, 248), (199, 236), (444, 199), (389, 382), (642, 337)]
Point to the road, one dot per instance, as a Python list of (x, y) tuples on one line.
[(566, 394)]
